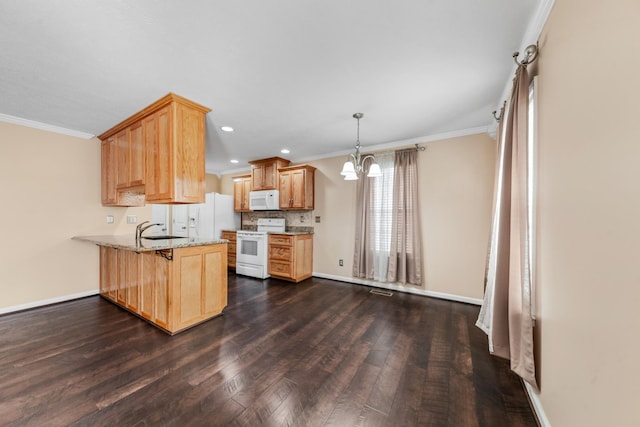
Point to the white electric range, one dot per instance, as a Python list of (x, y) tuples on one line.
[(252, 247)]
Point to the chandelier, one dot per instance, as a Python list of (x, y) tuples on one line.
[(355, 165)]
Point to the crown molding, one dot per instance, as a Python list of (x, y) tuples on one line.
[(44, 126), (371, 148)]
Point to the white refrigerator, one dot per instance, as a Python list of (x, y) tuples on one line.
[(204, 220)]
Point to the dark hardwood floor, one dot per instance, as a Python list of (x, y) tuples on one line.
[(319, 353)]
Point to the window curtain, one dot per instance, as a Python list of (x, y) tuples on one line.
[(505, 315), (388, 238), (405, 258)]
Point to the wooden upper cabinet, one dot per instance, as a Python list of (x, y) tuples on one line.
[(264, 173), (297, 187), (109, 172), (122, 158), (157, 135), (137, 155), (241, 188), (159, 154), (130, 156)]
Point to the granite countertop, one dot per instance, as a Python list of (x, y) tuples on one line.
[(128, 242)]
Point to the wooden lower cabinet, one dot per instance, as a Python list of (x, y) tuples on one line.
[(173, 294), (231, 247), (291, 256), (196, 290)]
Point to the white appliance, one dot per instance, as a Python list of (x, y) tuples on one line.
[(252, 247), (264, 200), (204, 220), (159, 215)]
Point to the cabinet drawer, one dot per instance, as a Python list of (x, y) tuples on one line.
[(228, 235), (282, 253), (280, 239), (231, 261), (278, 268), (231, 248)]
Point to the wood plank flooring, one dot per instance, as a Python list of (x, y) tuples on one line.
[(319, 353)]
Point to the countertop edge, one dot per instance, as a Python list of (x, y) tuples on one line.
[(128, 242)]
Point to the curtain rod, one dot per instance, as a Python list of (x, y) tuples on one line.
[(416, 147), (530, 56)]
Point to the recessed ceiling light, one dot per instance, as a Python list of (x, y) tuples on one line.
[(284, 151), (226, 128), (233, 161)]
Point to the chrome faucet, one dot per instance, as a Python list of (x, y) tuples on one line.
[(140, 229)]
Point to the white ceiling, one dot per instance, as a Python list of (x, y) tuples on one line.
[(283, 73)]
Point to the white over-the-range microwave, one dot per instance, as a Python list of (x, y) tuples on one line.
[(264, 200)]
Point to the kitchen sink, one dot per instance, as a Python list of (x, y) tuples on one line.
[(163, 237)]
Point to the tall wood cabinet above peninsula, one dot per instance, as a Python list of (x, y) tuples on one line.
[(157, 155)]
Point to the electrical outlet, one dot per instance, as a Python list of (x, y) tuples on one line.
[(109, 219), (317, 220), (132, 219), (341, 263)]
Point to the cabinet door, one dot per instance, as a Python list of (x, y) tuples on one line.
[(237, 195), (159, 161), (257, 177), (136, 154), (303, 265), (189, 148), (270, 176), (241, 188), (108, 272), (297, 192), (199, 284), (122, 157), (109, 171), (285, 190), (133, 276), (154, 288), (246, 188), (121, 282), (147, 284)]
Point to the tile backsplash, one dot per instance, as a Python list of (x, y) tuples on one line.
[(297, 221)]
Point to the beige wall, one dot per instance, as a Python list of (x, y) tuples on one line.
[(588, 213), (51, 192), (212, 184), (456, 185)]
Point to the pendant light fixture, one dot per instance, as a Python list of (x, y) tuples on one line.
[(355, 165)]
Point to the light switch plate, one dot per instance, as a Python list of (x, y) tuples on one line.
[(131, 219), (109, 219)]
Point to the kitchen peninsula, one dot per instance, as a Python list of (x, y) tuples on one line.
[(172, 283)]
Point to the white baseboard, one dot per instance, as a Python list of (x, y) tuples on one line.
[(41, 303), (537, 406), (433, 294)]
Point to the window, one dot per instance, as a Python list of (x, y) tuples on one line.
[(381, 214), (387, 222)]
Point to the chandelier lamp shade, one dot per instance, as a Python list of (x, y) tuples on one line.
[(356, 163)]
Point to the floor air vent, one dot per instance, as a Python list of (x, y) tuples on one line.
[(380, 292)]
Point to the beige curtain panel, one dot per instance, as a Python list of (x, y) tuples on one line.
[(405, 255), (505, 315)]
